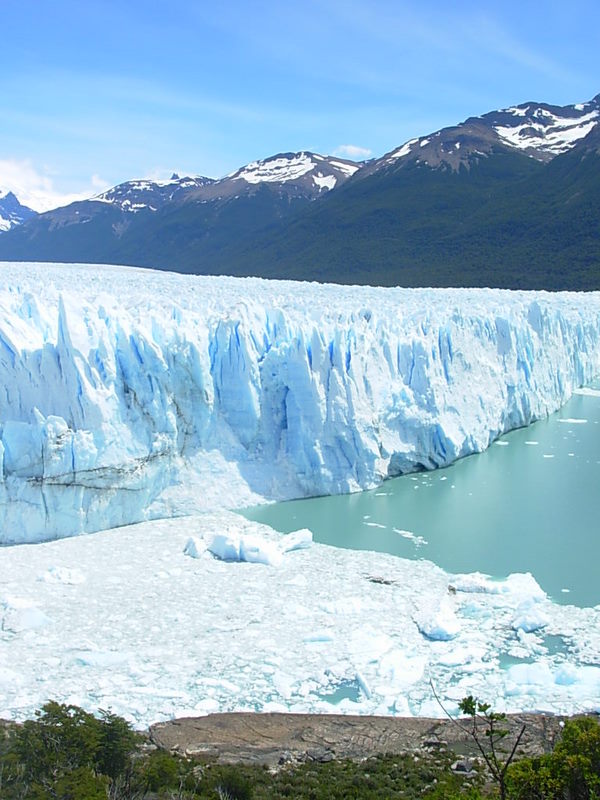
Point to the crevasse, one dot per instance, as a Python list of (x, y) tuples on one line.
[(130, 394)]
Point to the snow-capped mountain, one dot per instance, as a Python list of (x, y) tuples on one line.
[(506, 199), (147, 222), (538, 130), (309, 172), (303, 174), (133, 196), (509, 199), (12, 212)]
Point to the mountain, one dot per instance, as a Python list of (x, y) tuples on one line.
[(165, 223), (508, 199), (12, 212), (537, 130)]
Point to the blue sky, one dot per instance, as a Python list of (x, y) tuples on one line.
[(93, 93)]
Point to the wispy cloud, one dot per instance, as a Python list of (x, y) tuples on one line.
[(35, 188), (493, 36), (352, 151)]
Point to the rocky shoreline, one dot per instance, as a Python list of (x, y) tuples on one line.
[(279, 738)]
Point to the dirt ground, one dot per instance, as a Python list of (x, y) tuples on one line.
[(273, 739)]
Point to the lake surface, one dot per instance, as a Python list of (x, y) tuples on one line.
[(530, 503)]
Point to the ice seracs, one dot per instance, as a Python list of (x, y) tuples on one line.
[(131, 394)]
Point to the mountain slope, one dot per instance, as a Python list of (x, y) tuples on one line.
[(184, 219), (12, 212), (465, 206)]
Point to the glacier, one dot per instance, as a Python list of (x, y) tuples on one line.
[(134, 396), (131, 395)]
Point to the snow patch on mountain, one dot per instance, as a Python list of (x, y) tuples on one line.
[(325, 181), (545, 131), (291, 167), (276, 170), (345, 167), (404, 150), (133, 196)]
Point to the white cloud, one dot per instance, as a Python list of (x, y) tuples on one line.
[(352, 151), (35, 188)]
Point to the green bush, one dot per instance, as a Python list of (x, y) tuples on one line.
[(570, 772), (68, 753)]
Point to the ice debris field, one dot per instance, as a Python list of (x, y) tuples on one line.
[(137, 396)]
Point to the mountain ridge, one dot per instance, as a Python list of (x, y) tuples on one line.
[(460, 206)]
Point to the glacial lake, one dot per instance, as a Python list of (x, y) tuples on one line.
[(530, 503)]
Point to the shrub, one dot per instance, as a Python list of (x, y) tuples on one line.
[(570, 772)]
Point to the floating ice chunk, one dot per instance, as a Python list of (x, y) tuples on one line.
[(272, 707), (582, 681), (418, 540), (573, 421), (518, 583), (207, 706), (225, 546), (522, 678), (566, 675), (18, 614), (194, 547), (398, 669), (531, 442), (26, 619), (100, 658), (70, 577), (441, 624), (258, 551), (319, 637), (364, 686), (297, 540), (248, 547), (501, 443), (401, 707), (529, 617), (345, 605), (298, 580), (587, 392), (461, 654)]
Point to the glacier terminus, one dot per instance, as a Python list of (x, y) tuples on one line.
[(130, 395)]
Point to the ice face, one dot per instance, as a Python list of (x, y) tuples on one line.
[(131, 394), (146, 621)]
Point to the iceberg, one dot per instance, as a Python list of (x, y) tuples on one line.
[(130, 395)]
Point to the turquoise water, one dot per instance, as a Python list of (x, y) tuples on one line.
[(530, 503)]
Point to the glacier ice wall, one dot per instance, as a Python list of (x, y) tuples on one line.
[(130, 394)]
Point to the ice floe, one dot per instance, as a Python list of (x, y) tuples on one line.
[(153, 633)]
